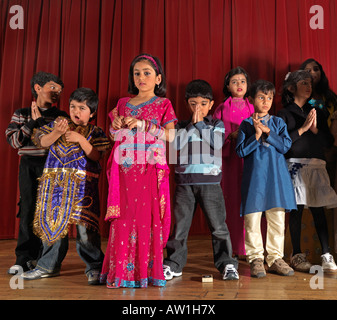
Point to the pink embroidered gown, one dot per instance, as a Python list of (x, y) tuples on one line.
[(232, 111), (138, 199)]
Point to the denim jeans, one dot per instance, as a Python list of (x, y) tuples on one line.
[(210, 198), (88, 246)]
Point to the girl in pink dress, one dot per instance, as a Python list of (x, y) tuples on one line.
[(138, 174), (232, 111)]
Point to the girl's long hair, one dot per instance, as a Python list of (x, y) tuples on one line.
[(291, 81), (322, 87)]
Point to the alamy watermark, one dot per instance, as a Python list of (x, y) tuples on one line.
[(317, 281), (155, 151), (317, 20), (17, 20), (16, 282), (194, 147)]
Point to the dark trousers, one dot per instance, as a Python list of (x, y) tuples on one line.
[(210, 198), (28, 245), (295, 226)]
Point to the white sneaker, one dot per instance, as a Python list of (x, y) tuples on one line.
[(230, 273), (328, 262), (169, 274), (37, 274)]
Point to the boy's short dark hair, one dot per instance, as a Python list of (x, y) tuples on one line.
[(199, 88), (41, 78), (263, 86), (86, 95)]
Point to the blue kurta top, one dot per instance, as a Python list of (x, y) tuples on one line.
[(266, 181)]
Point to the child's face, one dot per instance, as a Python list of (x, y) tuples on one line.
[(49, 93), (204, 105), (237, 86), (314, 70), (304, 89), (263, 102), (144, 77), (79, 112)]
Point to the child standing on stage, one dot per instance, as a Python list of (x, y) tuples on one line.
[(232, 112), (198, 175), (46, 89), (266, 185), (310, 136), (68, 188), (325, 99), (322, 97), (138, 174)]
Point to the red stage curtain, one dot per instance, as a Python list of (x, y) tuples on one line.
[(92, 42)]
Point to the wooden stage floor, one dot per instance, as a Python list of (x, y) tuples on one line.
[(72, 284)]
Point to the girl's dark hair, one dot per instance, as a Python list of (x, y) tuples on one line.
[(261, 85), (86, 95), (322, 87), (41, 78), (199, 88), (291, 80), (160, 90), (229, 75)]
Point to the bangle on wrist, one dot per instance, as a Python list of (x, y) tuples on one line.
[(142, 125), (112, 130)]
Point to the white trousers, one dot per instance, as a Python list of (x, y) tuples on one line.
[(275, 235)]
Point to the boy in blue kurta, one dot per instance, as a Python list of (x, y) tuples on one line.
[(266, 185)]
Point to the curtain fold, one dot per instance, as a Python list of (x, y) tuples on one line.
[(91, 43)]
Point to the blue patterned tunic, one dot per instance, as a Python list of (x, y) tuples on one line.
[(68, 187)]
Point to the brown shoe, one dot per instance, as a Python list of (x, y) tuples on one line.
[(300, 263), (281, 267), (257, 269)]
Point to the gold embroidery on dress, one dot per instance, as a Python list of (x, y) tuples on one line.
[(161, 174), (113, 212), (68, 212), (162, 206)]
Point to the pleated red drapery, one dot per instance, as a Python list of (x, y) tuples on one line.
[(92, 42)]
